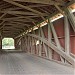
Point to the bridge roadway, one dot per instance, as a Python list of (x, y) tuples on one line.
[(25, 64)]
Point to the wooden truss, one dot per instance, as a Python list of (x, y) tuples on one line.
[(46, 46)]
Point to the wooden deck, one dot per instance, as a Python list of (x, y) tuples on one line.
[(25, 64)]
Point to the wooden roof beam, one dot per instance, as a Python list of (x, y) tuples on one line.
[(31, 6), (13, 28), (19, 20), (21, 13), (24, 7), (11, 23), (18, 17), (50, 2), (18, 25)]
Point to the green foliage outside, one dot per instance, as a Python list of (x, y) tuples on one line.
[(8, 42)]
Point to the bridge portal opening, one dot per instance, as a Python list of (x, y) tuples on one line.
[(8, 43)]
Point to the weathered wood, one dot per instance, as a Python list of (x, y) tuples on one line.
[(0, 41), (67, 35), (2, 25), (56, 39), (50, 2), (43, 36), (2, 16), (71, 17), (55, 36), (21, 13), (24, 7), (40, 47), (49, 39), (56, 49)]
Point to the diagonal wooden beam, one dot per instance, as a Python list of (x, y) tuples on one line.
[(59, 9), (2, 16), (2, 21), (56, 38), (2, 25)]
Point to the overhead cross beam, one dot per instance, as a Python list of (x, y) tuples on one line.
[(31, 6), (21, 13), (18, 17), (24, 7), (50, 2)]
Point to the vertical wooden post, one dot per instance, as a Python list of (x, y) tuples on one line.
[(25, 44), (0, 41), (16, 45), (49, 39), (39, 42), (45, 47), (28, 44), (71, 17), (26, 38), (31, 45), (67, 35)]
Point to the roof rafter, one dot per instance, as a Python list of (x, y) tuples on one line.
[(24, 7), (50, 2), (21, 13)]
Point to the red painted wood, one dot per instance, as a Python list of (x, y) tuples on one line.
[(59, 27), (62, 42), (72, 40), (56, 56), (45, 30)]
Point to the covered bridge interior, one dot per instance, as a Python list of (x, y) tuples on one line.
[(44, 37)]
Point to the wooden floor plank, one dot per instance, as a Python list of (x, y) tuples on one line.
[(25, 64)]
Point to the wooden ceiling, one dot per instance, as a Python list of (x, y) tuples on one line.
[(17, 16)]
